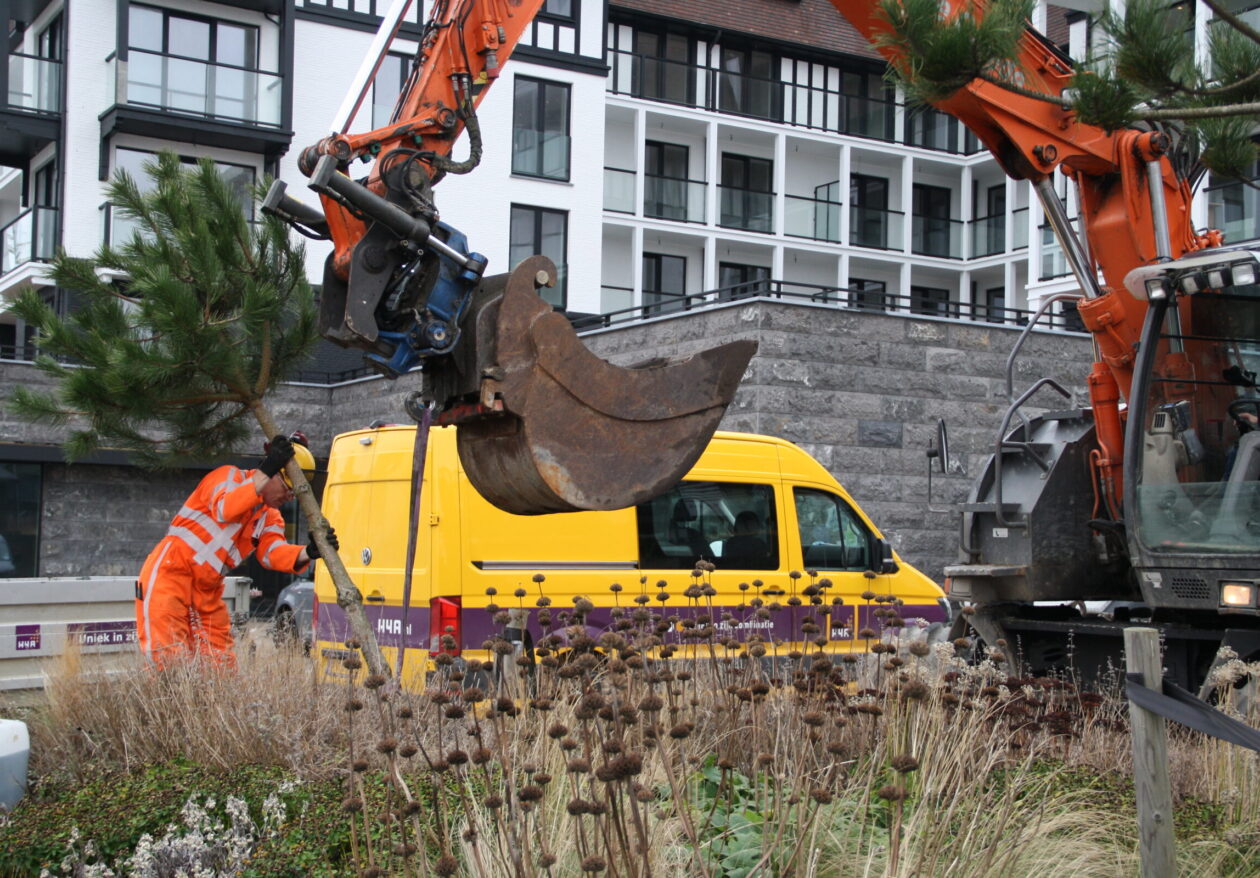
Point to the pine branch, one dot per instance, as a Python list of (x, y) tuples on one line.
[(1234, 21)]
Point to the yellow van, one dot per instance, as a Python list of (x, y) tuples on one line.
[(778, 532)]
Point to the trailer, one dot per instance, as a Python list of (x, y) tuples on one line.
[(42, 617)]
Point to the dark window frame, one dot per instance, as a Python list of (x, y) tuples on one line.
[(822, 559), (663, 301), (697, 498), (557, 296), (544, 87), (212, 47)]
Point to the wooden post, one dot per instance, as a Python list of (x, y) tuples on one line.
[(1150, 760)]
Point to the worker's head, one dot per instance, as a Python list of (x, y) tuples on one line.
[(301, 454)]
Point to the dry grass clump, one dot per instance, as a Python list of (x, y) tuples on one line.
[(664, 746)]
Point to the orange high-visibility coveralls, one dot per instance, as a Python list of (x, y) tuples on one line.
[(179, 595)]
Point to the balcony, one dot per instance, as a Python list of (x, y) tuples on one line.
[(936, 236), (673, 198), (709, 88), (30, 237), (29, 119), (181, 99), (988, 235), (814, 218), (1053, 262), (876, 227), (746, 209), (618, 190), (1019, 228)]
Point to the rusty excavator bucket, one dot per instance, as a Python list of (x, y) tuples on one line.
[(553, 427)]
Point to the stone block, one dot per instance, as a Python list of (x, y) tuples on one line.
[(886, 434)]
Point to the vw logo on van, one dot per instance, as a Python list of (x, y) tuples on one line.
[(366, 555)]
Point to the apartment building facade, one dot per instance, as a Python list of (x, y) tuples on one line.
[(667, 156)]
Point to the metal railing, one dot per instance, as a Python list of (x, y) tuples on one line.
[(34, 84), (853, 299), (618, 190), (747, 209), (29, 237), (936, 236), (182, 85), (674, 198)]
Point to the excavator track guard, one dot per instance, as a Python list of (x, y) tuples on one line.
[(557, 429)]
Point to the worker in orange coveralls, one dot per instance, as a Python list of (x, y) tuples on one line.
[(179, 596)]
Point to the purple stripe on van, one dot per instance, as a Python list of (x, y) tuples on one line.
[(477, 625)]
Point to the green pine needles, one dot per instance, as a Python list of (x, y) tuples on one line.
[(175, 336), (1142, 71)]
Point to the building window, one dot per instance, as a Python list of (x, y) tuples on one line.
[(390, 80), (118, 229), (868, 295), (664, 283), (20, 492), (738, 281), (995, 305), (747, 84), (662, 68), (557, 9), (198, 65), (931, 301), (747, 193), (933, 230), (868, 207), (539, 230), (665, 185), (540, 129)]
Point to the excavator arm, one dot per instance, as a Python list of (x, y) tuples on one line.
[(545, 426), (1134, 206)]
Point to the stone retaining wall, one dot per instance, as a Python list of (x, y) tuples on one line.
[(860, 391)]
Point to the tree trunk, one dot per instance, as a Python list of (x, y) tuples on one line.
[(348, 596)]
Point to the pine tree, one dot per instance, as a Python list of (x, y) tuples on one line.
[(178, 336), (1142, 72)]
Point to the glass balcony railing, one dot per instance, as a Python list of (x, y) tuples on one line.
[(876, 227), (1019, 229), (215, 91), (30, 237), (34, 84), (618, 190), (932, 129), (814, 218), (1053, 262), (673, 198), (936, 236), (988, 235), (1234, 208), (746, 209), (612, 298), (540, 154)]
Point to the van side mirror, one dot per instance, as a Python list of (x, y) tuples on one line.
[(883, 553)]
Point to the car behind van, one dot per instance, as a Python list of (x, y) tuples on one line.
[(785, 542)]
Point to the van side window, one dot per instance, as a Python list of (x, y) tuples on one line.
[(732, 525), (832, 536)]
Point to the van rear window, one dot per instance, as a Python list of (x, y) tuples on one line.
[(731, 524)]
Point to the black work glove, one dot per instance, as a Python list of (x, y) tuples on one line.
[(312, 550), (279, 452)]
